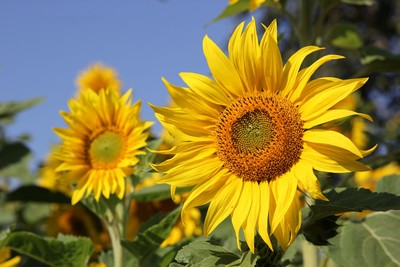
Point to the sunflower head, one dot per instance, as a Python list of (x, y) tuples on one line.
[(249, 139), (101, 144), (98, 77)]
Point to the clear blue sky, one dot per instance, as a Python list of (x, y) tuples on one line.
[(44, 44)]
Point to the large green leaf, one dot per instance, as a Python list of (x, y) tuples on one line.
[(204, 253), (320, 224), (148, 241), (11, 153), (389, 184), (33, 193), (65, 251), (372, 242), (9, 109)]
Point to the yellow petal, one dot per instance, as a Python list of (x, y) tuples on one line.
[(307, 181), (327, 137), (291, 68), (264, 213), (271, 63), (222, 204), (331, 159), (333, 114), (222, 68), (328, 95), (242, 209), (249, 226), (283, 190), (206, 88), (304, 75)]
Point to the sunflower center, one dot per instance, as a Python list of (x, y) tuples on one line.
[(259, 137), (106, 149), (252, 131)]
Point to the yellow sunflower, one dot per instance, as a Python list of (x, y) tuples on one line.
[(248, 139), (5, 261), (97, 77), (101, 145)]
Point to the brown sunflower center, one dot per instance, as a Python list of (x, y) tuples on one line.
[(259, 137), (106, 149)]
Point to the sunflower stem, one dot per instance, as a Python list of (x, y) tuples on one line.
[(113, 230), (310, 254)]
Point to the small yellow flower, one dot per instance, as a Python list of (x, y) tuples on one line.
[(248, 140), (97, 77), (101, 145), (5, 261)]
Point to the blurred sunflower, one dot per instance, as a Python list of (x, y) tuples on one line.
[(369, 179), (102, 144), (97, 77), (78, 221), (48, 177), (5, 261), (250, 139), (142, 211)]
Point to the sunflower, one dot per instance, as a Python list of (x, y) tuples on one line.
[(248, 139), (102, 143), (97, 77)]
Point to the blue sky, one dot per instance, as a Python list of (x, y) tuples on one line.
[(44, 45)]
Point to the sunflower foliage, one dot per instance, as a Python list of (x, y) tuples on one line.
[(280, 156)]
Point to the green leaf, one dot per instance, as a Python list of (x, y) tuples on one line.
[(33, 193), (19, 170), (65, 251), (389, 184), (156, 192), (9, 109), (247, 259), (359, 2), (378, 60), (345, 35), (231, 10), (11, 153), (372, 242), (319, 225), (204, 253), (148, 241)]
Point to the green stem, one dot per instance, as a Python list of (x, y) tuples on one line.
[(310, 254), (114, 232)]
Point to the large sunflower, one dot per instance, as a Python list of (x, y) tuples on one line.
[(101, 145), (248, 139)]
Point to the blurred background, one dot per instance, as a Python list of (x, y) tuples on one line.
[(44, 45)]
